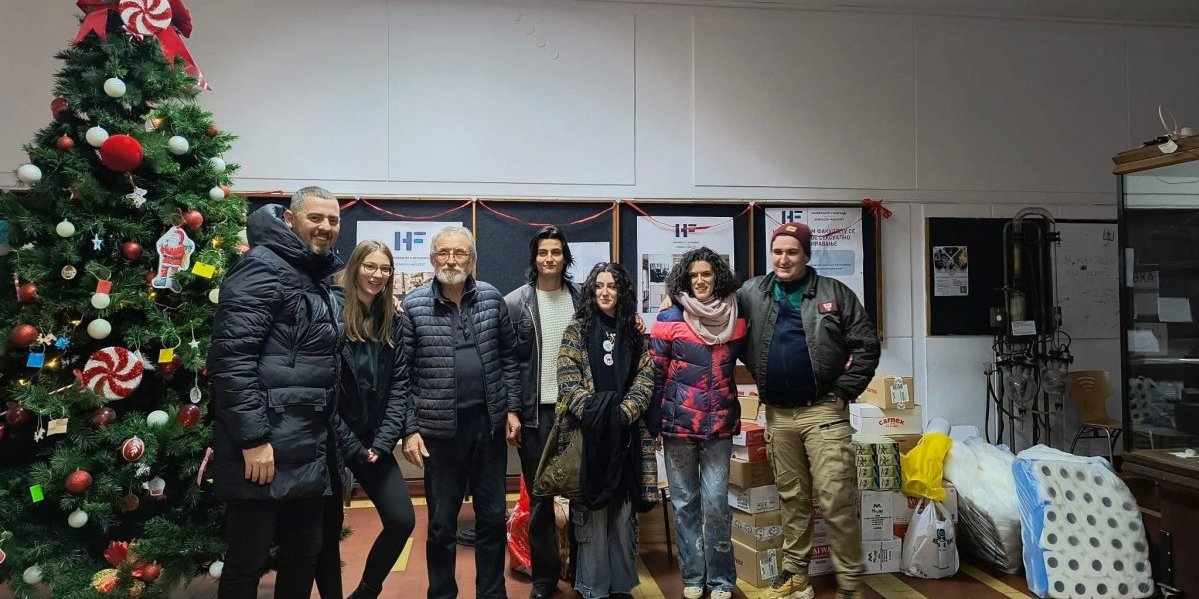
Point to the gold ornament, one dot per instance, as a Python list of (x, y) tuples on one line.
[(216, 241), (158, 122)]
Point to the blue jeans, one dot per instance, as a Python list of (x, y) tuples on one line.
[(698, 472), (606, 562)]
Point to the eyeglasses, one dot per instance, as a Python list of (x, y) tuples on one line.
[(445, 255), (371, 268)]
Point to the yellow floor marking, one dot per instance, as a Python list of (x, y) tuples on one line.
[(402, 563), (891, 587), (361, 503), (648, 589), (991, 581)]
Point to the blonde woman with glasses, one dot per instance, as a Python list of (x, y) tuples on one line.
[(369, 417)]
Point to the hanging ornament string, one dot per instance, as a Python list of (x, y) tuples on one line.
[(514, 219), (368, 204), (690, 229)]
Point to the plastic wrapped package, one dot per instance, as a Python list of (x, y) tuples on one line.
[(520, 553), (1082, 529), (988, 510)]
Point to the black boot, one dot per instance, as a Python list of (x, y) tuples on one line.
[(365, 591)]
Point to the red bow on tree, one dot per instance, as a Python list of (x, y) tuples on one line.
[(876, 207), (145, 17)]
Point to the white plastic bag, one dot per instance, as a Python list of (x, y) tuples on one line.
[(929, 548)]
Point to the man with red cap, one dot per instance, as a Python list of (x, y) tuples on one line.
[(812, 350)]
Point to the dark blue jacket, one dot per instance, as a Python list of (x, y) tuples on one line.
[(429, 346)]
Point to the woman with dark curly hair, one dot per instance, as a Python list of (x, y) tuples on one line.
[(694, 346), (605, 377)]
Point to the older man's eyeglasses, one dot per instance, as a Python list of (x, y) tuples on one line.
[(445, 255), (371, 268)]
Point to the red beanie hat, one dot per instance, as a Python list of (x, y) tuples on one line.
[(801, 232)]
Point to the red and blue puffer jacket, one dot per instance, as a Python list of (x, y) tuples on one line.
[(695, 394)]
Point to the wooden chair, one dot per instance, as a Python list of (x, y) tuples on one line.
[(1089, 389)]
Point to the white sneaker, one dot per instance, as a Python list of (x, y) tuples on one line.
[(721, 594), (693, 592)]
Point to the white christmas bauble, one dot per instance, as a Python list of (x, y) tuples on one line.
[(100, 301), (65, 229), (214, 296), (157, 418), (29, 174), (77, 519), (216, 193), (216, 568), (32, 574), (115, 88), (242, 237), (5, 249), (178, 145), (217, 164), (95, 136), (99, 329)]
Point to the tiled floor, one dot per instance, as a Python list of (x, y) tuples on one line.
[(659, 579)]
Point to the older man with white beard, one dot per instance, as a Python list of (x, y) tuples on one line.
[(466, 402)]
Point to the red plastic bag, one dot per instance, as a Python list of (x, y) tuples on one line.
[(520, 557)]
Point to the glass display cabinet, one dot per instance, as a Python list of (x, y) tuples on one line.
[(1159, 299)]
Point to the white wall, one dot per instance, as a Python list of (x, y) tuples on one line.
[(940, 116)]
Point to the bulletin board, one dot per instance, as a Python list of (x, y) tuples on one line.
[(1087, 271)]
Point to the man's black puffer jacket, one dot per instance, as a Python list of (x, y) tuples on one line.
[(274, 364), (429, 345)]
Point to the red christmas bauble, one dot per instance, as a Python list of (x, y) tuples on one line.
[(23, 335), (77, 482), (225, 188), (212, 131), (132, 449), (59, 108), (18, 415), (188, 414), (103, 417), (3, 429), (150, 572), (131, 250), (204, 371), (171, 367), (65, 142), (121, 153), (27, 293), (193, 219)]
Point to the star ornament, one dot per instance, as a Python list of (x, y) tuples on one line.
[(194, 344), (137, 198), (97, 241)]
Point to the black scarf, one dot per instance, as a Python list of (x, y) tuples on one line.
[(611, 449)]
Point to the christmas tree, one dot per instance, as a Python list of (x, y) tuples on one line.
[(116, 245)]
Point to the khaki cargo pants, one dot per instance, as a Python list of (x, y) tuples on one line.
[(812, 455)]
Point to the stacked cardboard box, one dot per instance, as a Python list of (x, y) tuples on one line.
[(880, 545), (877, 461), (887, 407)]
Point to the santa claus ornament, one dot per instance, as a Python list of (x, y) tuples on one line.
[(175, 250), (113, 372)]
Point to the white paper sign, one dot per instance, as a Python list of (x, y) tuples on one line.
[(951, 271), (662, 241), (586, 255), (411, 243), (836, 242)]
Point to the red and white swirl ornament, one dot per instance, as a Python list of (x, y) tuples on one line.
[(145, 17), (113, 372)]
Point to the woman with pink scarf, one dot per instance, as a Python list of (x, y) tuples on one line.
[(694, 407)]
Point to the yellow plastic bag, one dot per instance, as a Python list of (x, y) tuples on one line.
[(924, 465)]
